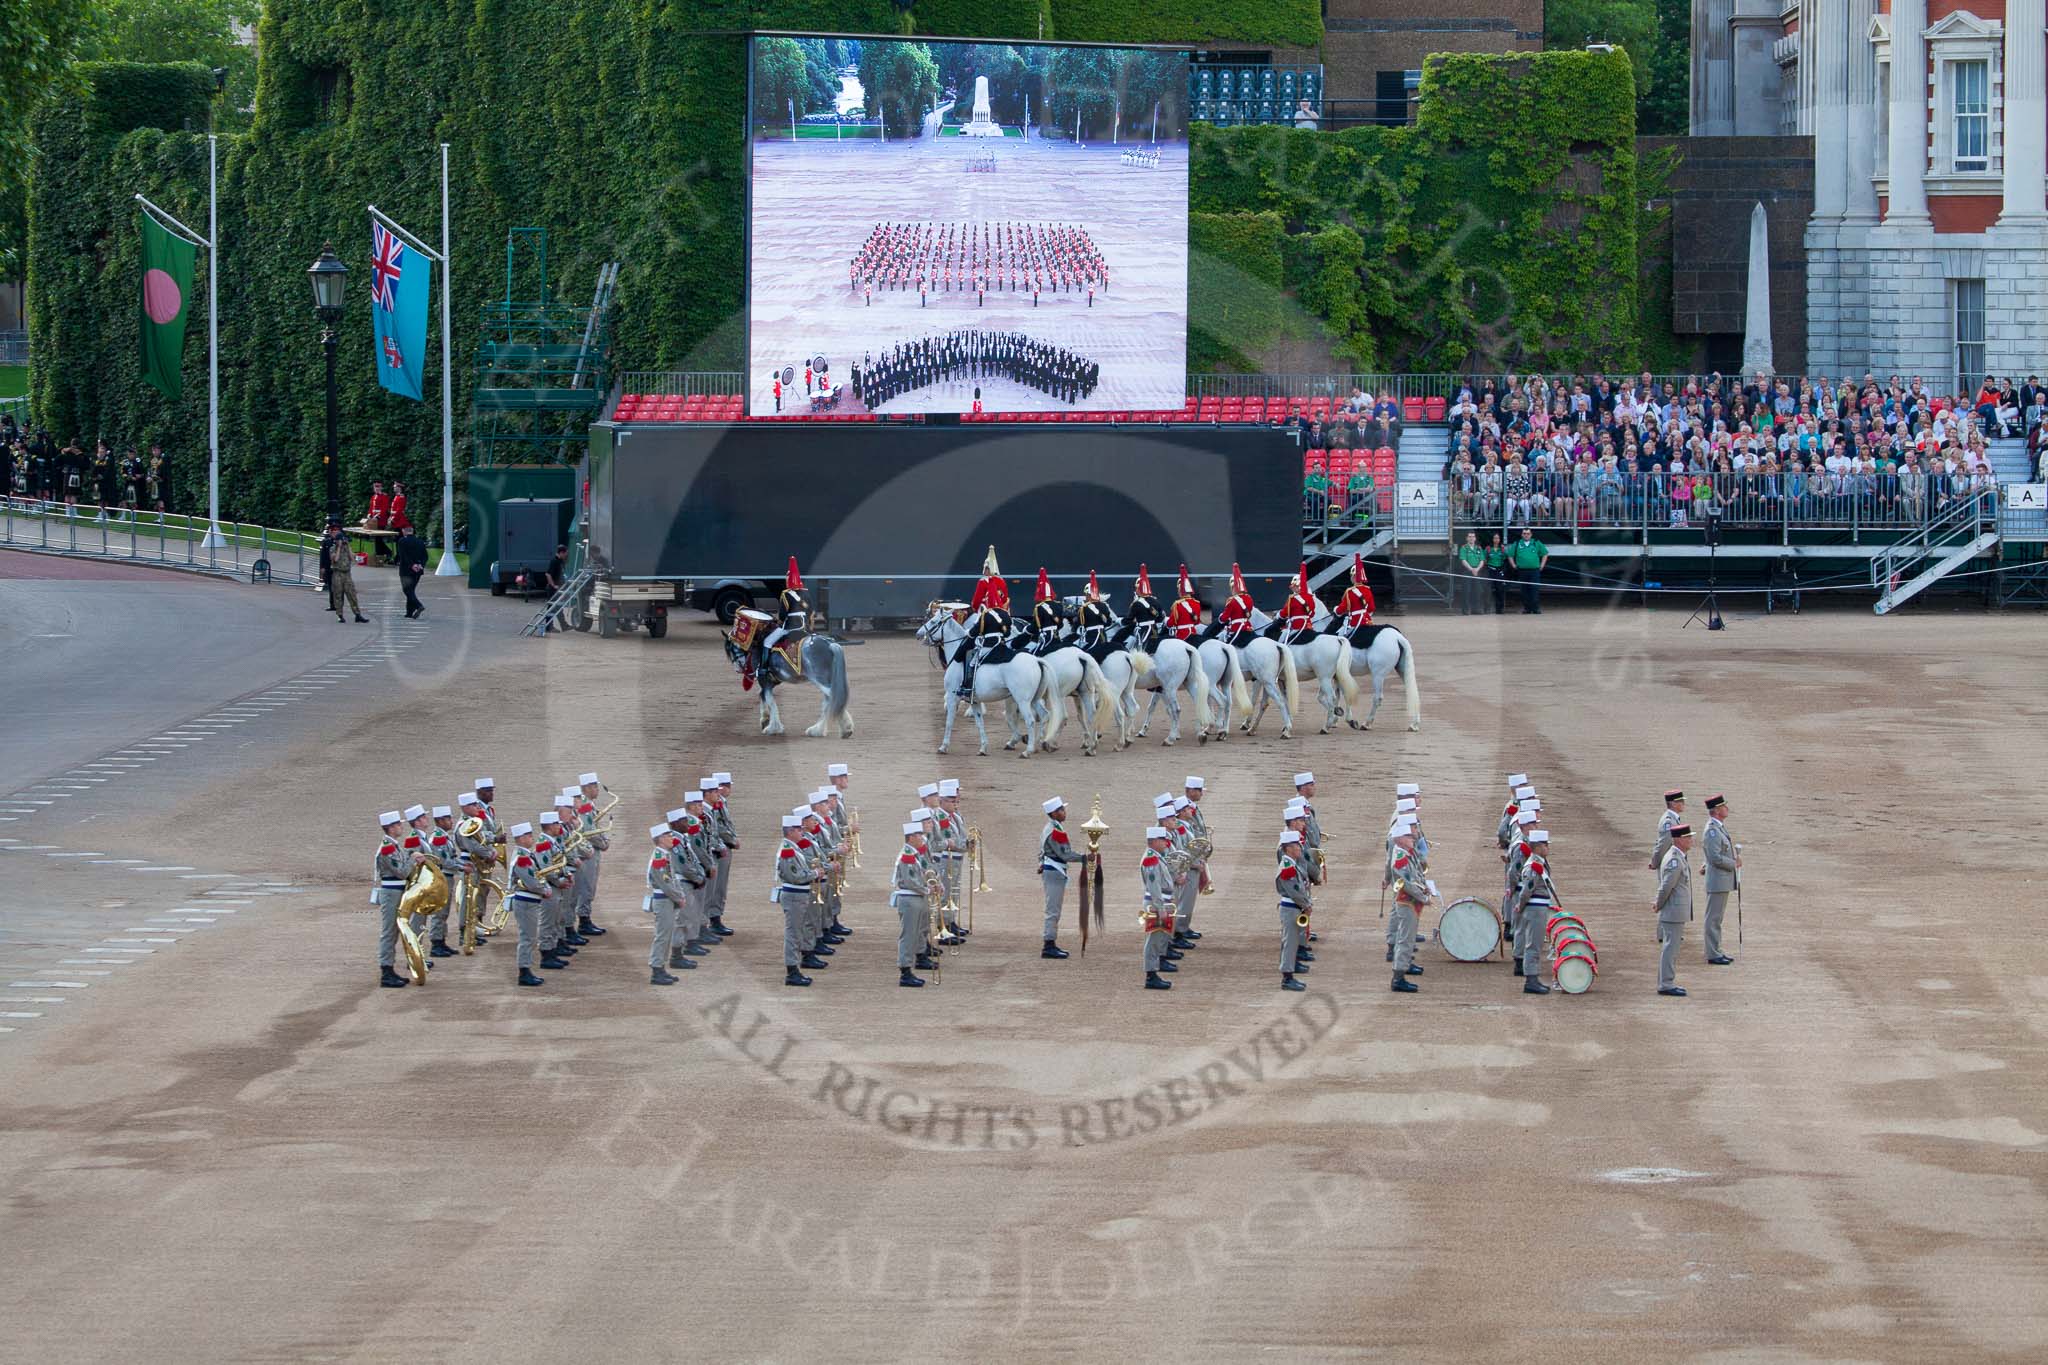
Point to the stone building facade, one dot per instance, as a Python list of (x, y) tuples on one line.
[(1927, 250)]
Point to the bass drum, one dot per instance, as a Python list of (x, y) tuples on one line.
[(1574, 970), (1469, 930)]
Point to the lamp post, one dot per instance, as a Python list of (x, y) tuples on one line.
[(328, 275)]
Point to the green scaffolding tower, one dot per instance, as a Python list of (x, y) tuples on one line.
[(541, 365)]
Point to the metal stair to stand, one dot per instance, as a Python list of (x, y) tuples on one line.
[(1951, 540), (567, 598)]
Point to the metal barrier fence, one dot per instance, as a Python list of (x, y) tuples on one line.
[(683, 383), (260, 553), (14, 347), (17, 408), (1583, 499)]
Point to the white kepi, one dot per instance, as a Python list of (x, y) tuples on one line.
[(981, 125)]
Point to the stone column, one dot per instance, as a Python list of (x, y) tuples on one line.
[(1713, 69), (1829, 80), (2026, 114), (1906, 205)]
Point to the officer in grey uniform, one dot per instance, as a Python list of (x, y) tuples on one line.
[(1198, 828), (793, 877), (1534, 897), (529, 894), (1411, 894), (392, 867), (443, 849), (1723, 866), (1674, 813), (1674, 907), (664, 898), (1054, 853), (1159, 898), (1292, 881), (586, 821), (727, 835), (907, 897)]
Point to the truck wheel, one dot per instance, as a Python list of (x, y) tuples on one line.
[(726, 606), (657, 625), (607, 625), (497, 588)]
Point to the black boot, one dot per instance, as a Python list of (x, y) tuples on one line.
[(694, 950), (1181, 941), (1306, 955), (1532, 986), (1402, 983), (553, 963), (718, 927), (1288, 983), (1155, 982), (440, 949), (904, 978), (1172, 955), (1193, 934), (1413, 970), (661, 978), (793, 977), (811, 962), (1052, 949), (840, 929), (1300, 966), (391, 979), (925, 962), (1518, 967), (1168, 967), (1390, 952), (584, 926), (527, 978), (680, 962), (574, 940)]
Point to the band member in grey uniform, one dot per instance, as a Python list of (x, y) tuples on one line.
[(824, 854), (692, 883), (580, 853), (1292, 882), (1722, 867), (1159, 898), (952, 849), (664, 898), (1312, 832), (548, 831), (926, 818), (837, 777), (1408, 805), (1054, 853), (443, 849), (1534, 897), (1674, 813), (1177, 853), (529, 893), (1411, 894), (1296, 818), (793, 877), (586, 821), (719, 805), (907, 896), (392, 867), (1184, 825), (1198, 828), (1674, 907)]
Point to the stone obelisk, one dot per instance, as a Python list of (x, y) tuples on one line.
[(1756, 326)]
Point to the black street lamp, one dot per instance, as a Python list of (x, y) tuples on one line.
[(328, 275)]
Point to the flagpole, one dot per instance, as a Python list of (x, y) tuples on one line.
[(214, 539), (447, 568)]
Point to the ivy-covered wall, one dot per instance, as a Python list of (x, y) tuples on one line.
[(1498, 231)]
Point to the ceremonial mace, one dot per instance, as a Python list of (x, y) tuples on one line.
[(1094, 828)]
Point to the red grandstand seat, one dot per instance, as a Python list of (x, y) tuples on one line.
[(1434, 408), (1412, 409), (1314, 462)]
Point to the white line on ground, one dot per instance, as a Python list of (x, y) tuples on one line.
[(170, 868), (32, 985)]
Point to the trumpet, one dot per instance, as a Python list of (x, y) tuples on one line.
[(1301, 920), (935, 921)]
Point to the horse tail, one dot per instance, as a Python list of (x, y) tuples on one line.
[(1346, 684), (1233, 675), (1048, 693), (1406, 663), (1093, 676), (1291, 676), (1141, 665), (835, 687), (1198, 684)]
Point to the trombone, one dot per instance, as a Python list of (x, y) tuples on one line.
[(935, 918), (977, 867), (853, 838)]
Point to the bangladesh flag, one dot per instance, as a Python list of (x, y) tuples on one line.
[(166, 293)]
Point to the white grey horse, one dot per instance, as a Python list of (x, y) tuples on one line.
[(824, 661), (1387, 651), (1326, 659), (1166, 667), (1025, 681)]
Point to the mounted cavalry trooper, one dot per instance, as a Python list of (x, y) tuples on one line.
[(1096, 616), (1355, 606), (988, 621), (1045, 615), (1184, 617), (1234, 617), (1144, 609), (1297, 619), (793, 617)]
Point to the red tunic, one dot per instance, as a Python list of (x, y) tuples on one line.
[(1184, 617), (1236, 613), (380, 511), (1356, 605), (1300, 611), (990, 592), (399, 520)]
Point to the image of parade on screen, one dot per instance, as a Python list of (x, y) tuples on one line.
[(965, 227)]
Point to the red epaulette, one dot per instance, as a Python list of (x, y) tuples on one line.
[(388, 849), (1512, 808), (788, 853), (523, 861), (908, 858), (1151, 860), (438, 840), (412, 841), (1538, 868), (585, 809), (1059, 836), (658, 862), (1400, 862), (1525, 850), (803, 843)]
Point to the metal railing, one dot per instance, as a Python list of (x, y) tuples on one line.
[(14, 347), (1577, 501), (16, 408), (683, 383), (166, 539)]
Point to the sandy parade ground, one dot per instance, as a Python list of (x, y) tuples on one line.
[(221, 1142)]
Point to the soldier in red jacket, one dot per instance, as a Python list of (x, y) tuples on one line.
[(1355, 606), (1184, 617), (1234, 617)]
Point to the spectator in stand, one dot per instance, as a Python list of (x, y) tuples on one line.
[(1912, 489), (1986, 403), (1516, 486), (1315, 496), (1305, 116), (1490, 489), (1360, 496), (1464, 480)]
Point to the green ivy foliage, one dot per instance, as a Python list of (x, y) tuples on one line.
[(1236, 271), (1211, 23), (1498, 231)]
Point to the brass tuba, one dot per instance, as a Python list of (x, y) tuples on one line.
[(426, 891)]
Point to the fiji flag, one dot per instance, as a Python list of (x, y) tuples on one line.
[(398, 306)]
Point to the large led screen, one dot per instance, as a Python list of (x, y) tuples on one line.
[(955, 227)]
